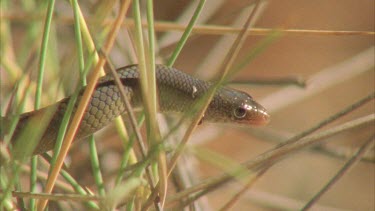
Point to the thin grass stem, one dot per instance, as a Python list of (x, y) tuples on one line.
[(186, 33), (82, 105), (226, 66), (96, 166), (275, 155), (206, 29), (348, 165), (38, 92)]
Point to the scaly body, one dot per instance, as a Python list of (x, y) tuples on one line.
[(177, 92)]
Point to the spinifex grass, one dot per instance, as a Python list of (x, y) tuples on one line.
[(93, 28)]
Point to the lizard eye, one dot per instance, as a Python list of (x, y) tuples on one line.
[(239, 112)]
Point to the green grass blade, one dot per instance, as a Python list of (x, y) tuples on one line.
[(78, 36), (255, 51), (186, 33), (151, 57), (43, 53), (38, 93), (96, 167), (77, 187)]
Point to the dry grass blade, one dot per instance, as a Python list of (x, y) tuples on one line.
[(148, 90), (223, 73), (330, 119), (207, 29), (264, 160), (351, 162), (82, 106), (56, 196), (227, 63), (229, 205), (321, 120), (323, 80), (133, 123), (216, 52), (121, 193), (170, 37)]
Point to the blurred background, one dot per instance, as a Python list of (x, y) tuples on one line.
[(338, 69)]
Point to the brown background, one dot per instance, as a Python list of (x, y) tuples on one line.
[(297, 178), (301, 175)]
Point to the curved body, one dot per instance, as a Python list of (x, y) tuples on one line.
[(177, 92)]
